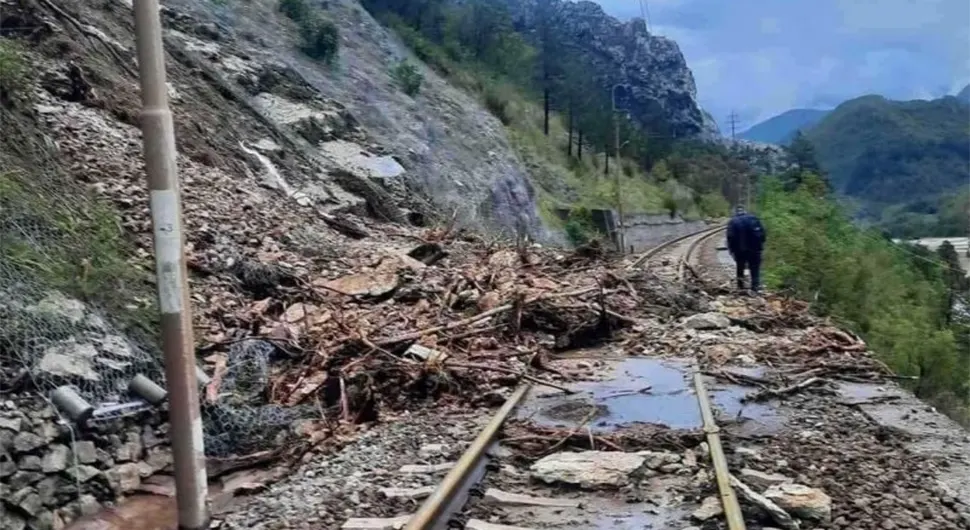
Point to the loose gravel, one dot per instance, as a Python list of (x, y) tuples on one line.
[(330, 488)]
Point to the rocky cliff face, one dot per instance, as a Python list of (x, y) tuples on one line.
[(661, 84)]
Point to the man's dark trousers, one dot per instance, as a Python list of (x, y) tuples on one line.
[(752, 262)]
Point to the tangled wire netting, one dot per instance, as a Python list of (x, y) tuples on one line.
[(63, 268)]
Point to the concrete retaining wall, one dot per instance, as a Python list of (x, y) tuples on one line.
[(643, 231)]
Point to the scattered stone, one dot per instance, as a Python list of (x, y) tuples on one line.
[(707, 321), (27, 441), (31, 463), (148, 438), (777, 514), (374, 523), (47, 490), (56, 458), (748, 452), (801, 501), (86, 452), (428, 450), (159, 458), (408, 493), (671, 468), (478, 524), (690, 459), (11, 521), (89, 505), (24, 478), (425, 469), (125, 478), (130, 450), (11, 423), (83, 473), (70, 359), (658, 459), (374, 284), (516, 499), (762, 480), (425, 354), (27, 500), (589, 469), (709, 509)]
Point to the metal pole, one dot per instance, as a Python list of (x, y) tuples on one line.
[(729, 501), (171, 275)]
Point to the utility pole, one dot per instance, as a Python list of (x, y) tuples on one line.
[(621, 242), (619, 174), (178, 343), (733, 120)]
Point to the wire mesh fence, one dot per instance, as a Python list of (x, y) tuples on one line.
[(76, 311)]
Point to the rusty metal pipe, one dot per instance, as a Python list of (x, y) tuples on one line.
[(729, 501), (171, 275), (434, 506)]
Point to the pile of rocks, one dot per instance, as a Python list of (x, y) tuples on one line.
[(52, 472)]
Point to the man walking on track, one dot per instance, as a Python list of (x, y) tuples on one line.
[(746, 240)]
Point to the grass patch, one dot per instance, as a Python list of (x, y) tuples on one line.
[(296, 10), (15, 72), (71, 243)]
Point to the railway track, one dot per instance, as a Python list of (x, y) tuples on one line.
[(441, 508)]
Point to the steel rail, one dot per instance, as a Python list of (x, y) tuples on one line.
[(729, 501), (685, 259), (663, 246), (434, 507)]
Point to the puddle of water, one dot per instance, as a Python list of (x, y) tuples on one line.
[(642, 390)]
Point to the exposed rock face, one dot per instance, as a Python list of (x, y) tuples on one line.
[(625, 52)]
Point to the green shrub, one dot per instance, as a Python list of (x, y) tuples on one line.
[(15, 72), (296, 10), (713, 204), (407, 77), (321, 39), (670, 204), (580, 228), (498, 105)]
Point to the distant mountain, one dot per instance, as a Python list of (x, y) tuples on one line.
[(964, 94), (890, 153), (782, 128)]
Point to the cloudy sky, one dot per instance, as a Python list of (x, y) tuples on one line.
[(762, 57)]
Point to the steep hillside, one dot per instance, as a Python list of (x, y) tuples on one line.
[(964, 95), (780, 129), (886, 152)]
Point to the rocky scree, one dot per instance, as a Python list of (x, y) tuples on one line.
[(379, 474), (440, 142)]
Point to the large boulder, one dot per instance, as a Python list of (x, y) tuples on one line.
[(589, 469), (801, 501)]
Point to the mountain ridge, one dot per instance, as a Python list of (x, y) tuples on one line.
[(884, 152), (781, 129)]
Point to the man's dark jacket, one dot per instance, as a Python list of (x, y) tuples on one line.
[(745, 235)]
